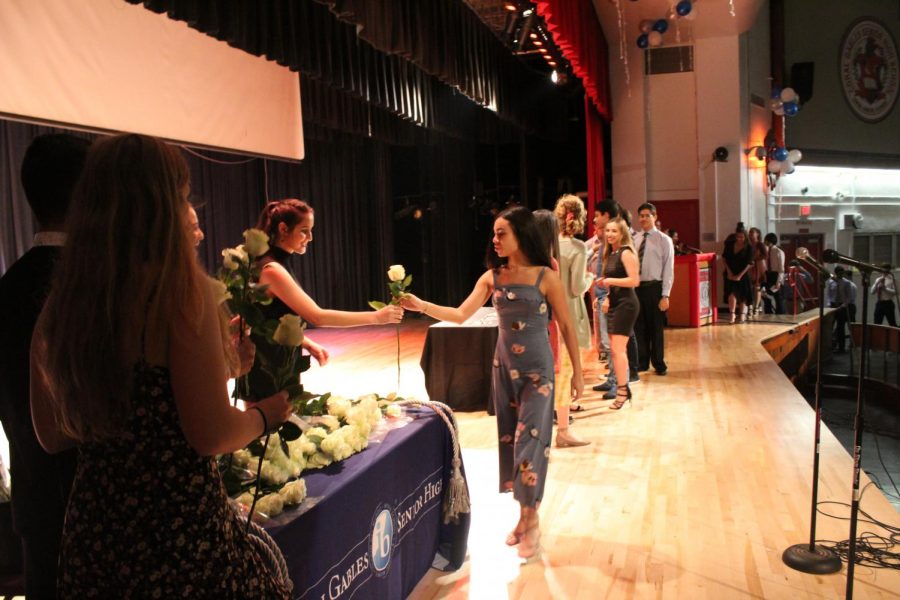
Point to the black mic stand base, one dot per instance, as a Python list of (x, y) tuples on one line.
[(815, 560)]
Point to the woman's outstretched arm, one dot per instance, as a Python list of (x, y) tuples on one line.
[(479, 295), (283, 286)]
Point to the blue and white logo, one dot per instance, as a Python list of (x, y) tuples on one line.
[(382, 539)]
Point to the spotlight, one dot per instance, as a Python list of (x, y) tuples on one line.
[(552, 63), (554, 76), (533, 35), (542, 50), (510, 7), (417, 213), (527, 12), (538, 43)]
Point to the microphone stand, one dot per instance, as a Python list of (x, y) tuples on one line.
[(810, 558), (857, 438)]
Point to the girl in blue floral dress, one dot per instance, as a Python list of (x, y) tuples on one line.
[(522, 287)]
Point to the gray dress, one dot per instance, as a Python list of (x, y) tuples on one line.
[(522, 388)]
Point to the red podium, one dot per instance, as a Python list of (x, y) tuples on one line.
[(692, 301)]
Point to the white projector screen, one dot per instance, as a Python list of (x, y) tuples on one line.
[(109, 66)]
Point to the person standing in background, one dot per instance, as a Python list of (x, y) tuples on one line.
[(885, 290), (757, 269), (595, 257), (840, 293), (570, 215), (657, 269), (41, 481), (774, 275)]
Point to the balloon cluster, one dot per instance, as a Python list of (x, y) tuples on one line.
[(782, 160), (652, 31), (784, 102)]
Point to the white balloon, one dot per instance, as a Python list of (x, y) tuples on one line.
[(795, 156), (654, 38), (775, 166), (787, 167), (788, 95)]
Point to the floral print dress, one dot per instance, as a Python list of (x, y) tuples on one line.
[(149, 518), (522, 389)]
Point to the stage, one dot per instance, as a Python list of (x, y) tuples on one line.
[(693, 491)]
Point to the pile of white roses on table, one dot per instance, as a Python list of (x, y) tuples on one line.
[(340, 433)]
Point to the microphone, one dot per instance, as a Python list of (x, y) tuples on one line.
[(833, 256), (804, 255)]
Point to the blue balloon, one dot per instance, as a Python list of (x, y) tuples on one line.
[(661, 25), (776, 93), (781, 154), (643, 41), (683, 8), (791, 108)]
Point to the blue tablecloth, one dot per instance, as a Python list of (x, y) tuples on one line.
[(372, 525)]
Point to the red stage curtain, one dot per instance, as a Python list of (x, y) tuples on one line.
[(576, 30), (596, 168)]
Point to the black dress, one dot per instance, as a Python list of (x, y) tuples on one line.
[(623, 302), (149, 517), (737, 261), (259, 382)]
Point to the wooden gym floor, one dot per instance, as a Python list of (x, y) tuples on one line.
[(693, 491)]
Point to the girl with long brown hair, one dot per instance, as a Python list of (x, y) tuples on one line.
[(127, 365)]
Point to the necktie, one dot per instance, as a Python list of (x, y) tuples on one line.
[(641, 250)]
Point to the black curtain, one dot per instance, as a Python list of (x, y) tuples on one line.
[(345, 179), (430, 77)]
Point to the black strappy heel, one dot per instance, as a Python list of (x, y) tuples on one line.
[(622, 396)]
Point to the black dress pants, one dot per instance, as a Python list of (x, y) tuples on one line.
[(650, 326), (884, 309)]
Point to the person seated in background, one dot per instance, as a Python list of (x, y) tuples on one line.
[(885, 290)]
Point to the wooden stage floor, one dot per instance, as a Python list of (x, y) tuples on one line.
[(694, 491)]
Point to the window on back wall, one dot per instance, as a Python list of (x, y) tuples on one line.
[(877, 248)]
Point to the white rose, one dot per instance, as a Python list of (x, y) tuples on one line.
[(328, 421), (234, 257), (270, 505), (336, 445), (338, 407), (393, 411), (256, 242), (396, 273), (272, 473), (220, 291), (289, 331), (316, 435), (319, 460), (242, 457), (293, 492)]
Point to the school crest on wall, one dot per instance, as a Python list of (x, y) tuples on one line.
[(870, 71)]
